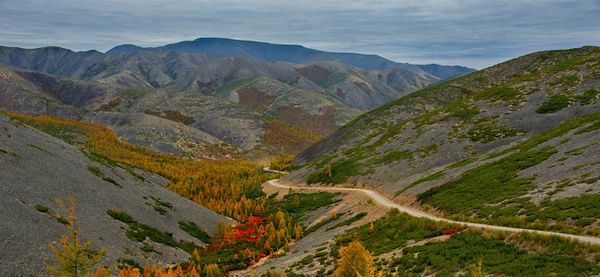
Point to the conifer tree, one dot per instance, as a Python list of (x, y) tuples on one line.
[(355, 261), (73, 257)]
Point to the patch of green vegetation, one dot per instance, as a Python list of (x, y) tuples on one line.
[(112, 181), (569, 80), (62, 220), (574, 208), (321, 224), (393, 231), (110, 163), (236, 85), (194, 231), (324, 160), (42, 209), (487, 184), (349, 221), (8, 152), (160, 205), (589, 96), (464, 250), (337, 172), (434, 176), (489, 129), (146, 247), (501, 93), (554, 103), (426, 151), (464, 162), (555, 132), (462, 109), (567, 64), (38, 148), (392, 156), (128, 263), (590, 128), (139, 232), (297, 204), (254, 192), (96, 171), (159, 209)]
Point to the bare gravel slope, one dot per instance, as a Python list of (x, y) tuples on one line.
[(37, 168)]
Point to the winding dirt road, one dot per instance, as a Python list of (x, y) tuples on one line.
[(385, 202)]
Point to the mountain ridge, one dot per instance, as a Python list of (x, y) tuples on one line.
[(295, 53), (490, 146)]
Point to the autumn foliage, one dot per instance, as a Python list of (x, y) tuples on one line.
[(73, 257), (355, 261), (221, 186), (285, 138), (217, 185), (282, 162)]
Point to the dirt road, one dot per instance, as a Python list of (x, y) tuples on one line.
[(384, 201)]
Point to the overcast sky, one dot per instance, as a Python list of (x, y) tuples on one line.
[(476, 33)]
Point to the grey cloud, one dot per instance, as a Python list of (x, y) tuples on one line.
[(470, 32)]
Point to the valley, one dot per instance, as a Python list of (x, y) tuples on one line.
[(219, 157)]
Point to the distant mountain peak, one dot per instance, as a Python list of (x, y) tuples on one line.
[(123, 48), (292, 53)]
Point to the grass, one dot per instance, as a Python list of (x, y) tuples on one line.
[(486, 184), (431, 177), (501, 93), (297, 204), (349, 221), (393, 231), (464, 162), (554, 104), (139, 232), (112, 181), (569, 80), (392, 156), (42, 209), (489, 129), (340, 171), (426, 151), (98, 172), (111, 163), (589, 96), (461, 109), (502, 254), (464, 250), (321, 224), (194, 231), (477, 190)]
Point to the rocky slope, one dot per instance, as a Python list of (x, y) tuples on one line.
[(38, 168), (192, 101), (521, 134)]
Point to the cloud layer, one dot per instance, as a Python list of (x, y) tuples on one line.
[(468, 32)]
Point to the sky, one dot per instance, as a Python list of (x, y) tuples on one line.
[(475, 33)]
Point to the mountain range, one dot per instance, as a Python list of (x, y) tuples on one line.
[(226, 95), (512, 143)]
